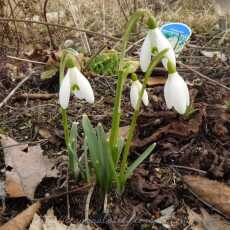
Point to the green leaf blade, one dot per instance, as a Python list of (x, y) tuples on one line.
[(139, 160)]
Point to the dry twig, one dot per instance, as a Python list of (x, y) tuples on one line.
[(61, 26), (214, 82), (48, 29), (16, 30), (15, 89)]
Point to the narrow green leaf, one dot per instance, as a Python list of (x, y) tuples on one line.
[(93, 146), (121, 143), (107, 179), (102, 158), (73, 136), (86, 164), (139, 160)]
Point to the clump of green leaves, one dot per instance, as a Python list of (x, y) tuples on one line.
[(105, 63), (109, 155), (107, 169)]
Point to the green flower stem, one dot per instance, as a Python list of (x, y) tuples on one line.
[(61, 69), (131, 130), (71, 158), (72, 163), (117, 115), (122, 75), (65, 125)]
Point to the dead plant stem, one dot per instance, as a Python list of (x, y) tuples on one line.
[(61, 26), (15, 25), (214, 82), (48, 28), (15, 89)]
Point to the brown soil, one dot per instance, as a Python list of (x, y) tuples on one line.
[(198, 144)]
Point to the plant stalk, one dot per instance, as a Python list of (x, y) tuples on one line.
[(122, 75), (71, 158), (131, 130)]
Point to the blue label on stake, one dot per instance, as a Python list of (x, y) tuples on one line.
[(178, 34)]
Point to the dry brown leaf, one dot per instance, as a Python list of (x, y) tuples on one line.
[(205, 221), (37, 223), (22, 220), (182, 128), (25, 167), (213, 192), (51, 223), (159, 80)]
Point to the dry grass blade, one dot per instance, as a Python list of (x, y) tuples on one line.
[(77, 17)]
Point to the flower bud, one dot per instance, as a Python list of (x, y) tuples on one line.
[(152, 23), (171, 67), (70, 61), (134, 77)]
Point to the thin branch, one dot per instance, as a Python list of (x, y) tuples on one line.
[(214, 82), (122, 10), (26, 60), (48, 29), (35, 96), (77, 18), (78, 189), (16, 30), (15, 89), (60, 26), (188, 168)]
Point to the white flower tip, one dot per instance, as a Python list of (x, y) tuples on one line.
[(64, 93), (134, 94), (145, 98), (85, 90), (146, 53), (176, 93)]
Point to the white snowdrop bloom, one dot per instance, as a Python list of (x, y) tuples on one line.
[(156, 40), (134, 94), (176, 93), (75, 82)]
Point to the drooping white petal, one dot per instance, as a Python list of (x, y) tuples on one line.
[(73, 72), (168, 93), (145, 98), (146, 53), (64, 93), (187, 94), (85, 90), (176, 93), (134, 94), (159, 41)]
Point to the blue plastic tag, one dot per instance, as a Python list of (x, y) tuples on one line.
[(178, 34)]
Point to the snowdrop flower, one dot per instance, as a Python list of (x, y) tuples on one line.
[(156, 40), (75, 82), (176, 92), (134, 94)]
